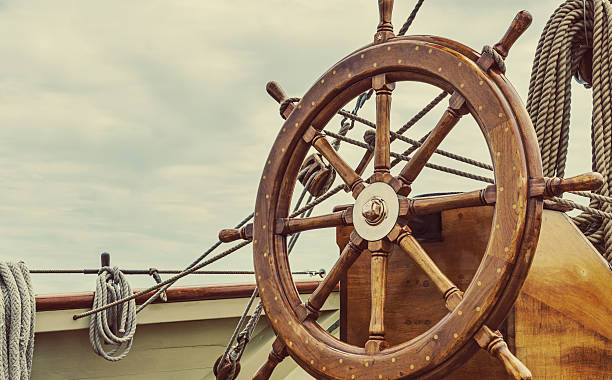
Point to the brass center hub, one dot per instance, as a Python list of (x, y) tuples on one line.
[(374, 211)]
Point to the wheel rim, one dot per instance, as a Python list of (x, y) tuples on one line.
[(439, 348)]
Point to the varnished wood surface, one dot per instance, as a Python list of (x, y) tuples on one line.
[(382, 146), (519, 25), (348, 175), (47, 302), (561, 326), (446, 123), (414, 303), (564, 312), (350, 253), (317, 107)]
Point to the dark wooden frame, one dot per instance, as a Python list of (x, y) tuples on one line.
[(49, 302), (506, 126)]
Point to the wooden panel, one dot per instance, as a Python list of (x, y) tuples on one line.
[(61, 320), (180, 350), (413, 302), (564, 313), (561, 327), (46, 302)]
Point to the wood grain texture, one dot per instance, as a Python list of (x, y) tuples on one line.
[(350, 253), (48, 302), (519, 25), (287, 226), (276, 355), (385, 28), (560, 328), (382, 146), (379, 257), (348, 175), (414, 303), (538, 187), (494, 109), (277, 93), (563, 323), (584, 182), (411, 170)]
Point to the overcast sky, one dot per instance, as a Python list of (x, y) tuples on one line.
[(140, 127)]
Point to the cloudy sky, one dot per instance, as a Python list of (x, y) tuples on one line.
[(140, 127)]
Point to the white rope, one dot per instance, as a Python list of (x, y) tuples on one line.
[(115, 325), (17, 314)]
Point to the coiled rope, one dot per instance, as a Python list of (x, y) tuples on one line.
[(575, 28), (17, 313), (117, 324)]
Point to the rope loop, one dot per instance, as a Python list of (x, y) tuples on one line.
[(285, 103), (369, 137), (499, 60), (17, 314), (116, 325)]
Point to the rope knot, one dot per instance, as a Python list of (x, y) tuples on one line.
[(285, 103), (370, 138), (499, 60)]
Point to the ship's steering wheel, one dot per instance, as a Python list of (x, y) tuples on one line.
[(478, 88)]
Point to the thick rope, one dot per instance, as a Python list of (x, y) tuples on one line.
[(497, 58), (285, 104), (117, 325), (574, 28), (17, 314)]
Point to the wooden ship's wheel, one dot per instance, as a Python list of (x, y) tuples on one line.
[(478, 88)]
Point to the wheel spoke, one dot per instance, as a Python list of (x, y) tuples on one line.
[(287, 226), (538, 187), (382, 147), (430, 205), (378, 285), (348, 175), (278, 353), (409, 244), (350, 253), (449, 119)]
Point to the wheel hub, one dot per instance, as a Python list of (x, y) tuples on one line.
[(375, 212)]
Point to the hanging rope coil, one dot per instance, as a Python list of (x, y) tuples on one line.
[(577, 29), (17, 314), (117, 324)]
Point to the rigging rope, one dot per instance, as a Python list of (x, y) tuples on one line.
[(162, 284), (345, 127), (575, 28), (161, 290), (17, 314), (227, 365), (115, 326)]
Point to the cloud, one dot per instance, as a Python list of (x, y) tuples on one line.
[(142, 128)]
